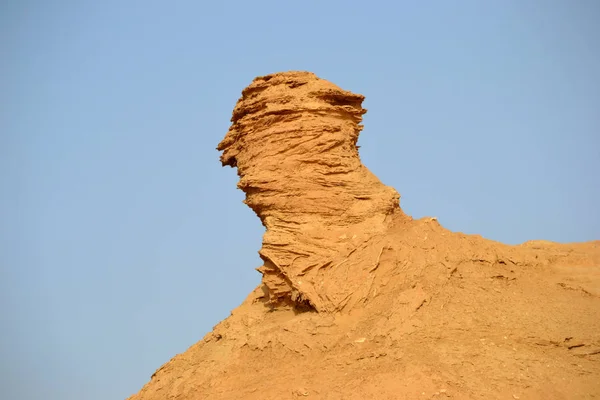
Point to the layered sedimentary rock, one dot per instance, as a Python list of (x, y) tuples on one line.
[(293, 140), (406, 308)]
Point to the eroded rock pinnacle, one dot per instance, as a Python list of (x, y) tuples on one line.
[(293, 140)]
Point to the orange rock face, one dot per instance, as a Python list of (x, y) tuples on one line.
[(293, 140), (360, 301)]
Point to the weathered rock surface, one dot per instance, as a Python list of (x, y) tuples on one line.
[(293, 140), (360, 301)]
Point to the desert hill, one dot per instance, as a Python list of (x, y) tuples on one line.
[(360, 301)]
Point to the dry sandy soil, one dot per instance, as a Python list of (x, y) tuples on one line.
[(360, 301)]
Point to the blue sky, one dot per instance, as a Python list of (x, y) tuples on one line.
[(122, 239)]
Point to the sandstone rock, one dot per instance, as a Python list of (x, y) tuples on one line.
[(293, 141), (360, 301)]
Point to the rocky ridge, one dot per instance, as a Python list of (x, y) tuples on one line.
[(360, 301)]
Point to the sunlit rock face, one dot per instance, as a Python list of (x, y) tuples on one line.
[(293, 141)]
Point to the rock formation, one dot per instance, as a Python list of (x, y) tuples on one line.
[(360, 301), (293, 140)]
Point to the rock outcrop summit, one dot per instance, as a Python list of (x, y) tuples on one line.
[(360, 301), (293, 141)]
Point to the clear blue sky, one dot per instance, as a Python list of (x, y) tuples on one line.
[(123, 241)]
